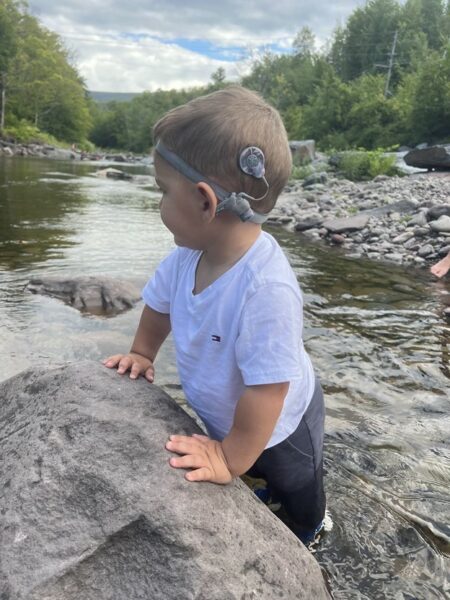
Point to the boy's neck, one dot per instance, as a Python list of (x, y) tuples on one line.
[(225, 249), (230, 244)]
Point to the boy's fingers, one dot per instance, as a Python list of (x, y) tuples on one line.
[(182, 447), (150, 374), (111, 361), (135, 370), (202, 438), (124, 364), (180, 438), (202, 474), (188, 461)]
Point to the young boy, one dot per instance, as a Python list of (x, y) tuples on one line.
[(233, 304)]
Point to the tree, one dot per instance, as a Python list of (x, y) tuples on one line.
[(430, 106), (45, 88), (304, 43), (366, 40), (218, 77), (371, 116), (326, 115), (10, 16)]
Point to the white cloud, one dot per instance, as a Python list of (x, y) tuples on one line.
[(100, 32), (111, 64)]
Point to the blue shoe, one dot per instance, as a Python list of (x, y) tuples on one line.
[(311, 539), (265, 495)]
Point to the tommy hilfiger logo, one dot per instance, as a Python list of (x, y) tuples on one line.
[(215, 338)]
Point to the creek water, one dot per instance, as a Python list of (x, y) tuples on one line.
[(375, 332)]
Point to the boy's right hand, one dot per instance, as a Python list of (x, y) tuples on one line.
[(133, 362)]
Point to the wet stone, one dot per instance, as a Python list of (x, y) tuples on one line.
[(426, 250)]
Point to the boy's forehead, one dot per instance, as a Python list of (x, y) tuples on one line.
[(165, 172), (162, 168)]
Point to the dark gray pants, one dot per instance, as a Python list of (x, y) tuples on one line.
[(293, 468)]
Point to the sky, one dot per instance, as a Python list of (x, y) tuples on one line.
[(138, 45)]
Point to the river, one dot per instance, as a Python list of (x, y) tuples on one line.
[(375, 332)]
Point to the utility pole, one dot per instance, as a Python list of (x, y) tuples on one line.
[(2, 101), (389, 65)]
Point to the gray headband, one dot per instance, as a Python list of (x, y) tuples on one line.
[(237, 203)]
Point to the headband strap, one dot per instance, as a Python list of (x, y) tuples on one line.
[(237, 203)]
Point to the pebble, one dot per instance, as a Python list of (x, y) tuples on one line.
[(441, 224)]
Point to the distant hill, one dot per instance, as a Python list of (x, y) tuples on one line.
[(110, 96)]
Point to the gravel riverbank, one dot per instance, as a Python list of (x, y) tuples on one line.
[(404, 220)]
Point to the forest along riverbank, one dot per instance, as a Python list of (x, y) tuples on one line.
[(404, 220)]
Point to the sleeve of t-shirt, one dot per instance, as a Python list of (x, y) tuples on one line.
[(269, 348), (157, 292)]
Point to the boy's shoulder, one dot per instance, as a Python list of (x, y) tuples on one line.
[(268, 265), (179, 257)]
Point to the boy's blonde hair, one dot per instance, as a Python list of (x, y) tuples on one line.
[(210, 132)]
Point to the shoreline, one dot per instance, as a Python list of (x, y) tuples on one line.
[(402, 220), (53, 152)]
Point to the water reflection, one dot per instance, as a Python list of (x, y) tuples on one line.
[(376, 334)]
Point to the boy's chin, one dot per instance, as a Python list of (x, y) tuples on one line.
[(184, 244)]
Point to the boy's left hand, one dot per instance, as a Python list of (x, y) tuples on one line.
[(201, 454)]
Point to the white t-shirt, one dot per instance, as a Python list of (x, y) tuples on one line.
[(243, 329)]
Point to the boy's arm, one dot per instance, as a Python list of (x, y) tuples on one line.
[(152, 330), (255, 417)]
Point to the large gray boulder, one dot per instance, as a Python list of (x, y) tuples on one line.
[(303, 151), (434, 157), (91, 510), (99, 295)]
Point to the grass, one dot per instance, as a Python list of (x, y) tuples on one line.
[(301, 172), (362, 165)]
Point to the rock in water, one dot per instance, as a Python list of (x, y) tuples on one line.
[(341, 225), (96, 295), (113, 174), (91, 510), (434, 157)]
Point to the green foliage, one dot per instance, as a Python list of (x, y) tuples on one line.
[(361, 165), (218, 78), (38, 81), (22, 131), (372, 118), (301, 172), (326, 114), (429, 115), (128, 125)]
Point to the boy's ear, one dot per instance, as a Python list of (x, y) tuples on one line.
[(209, 200)]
